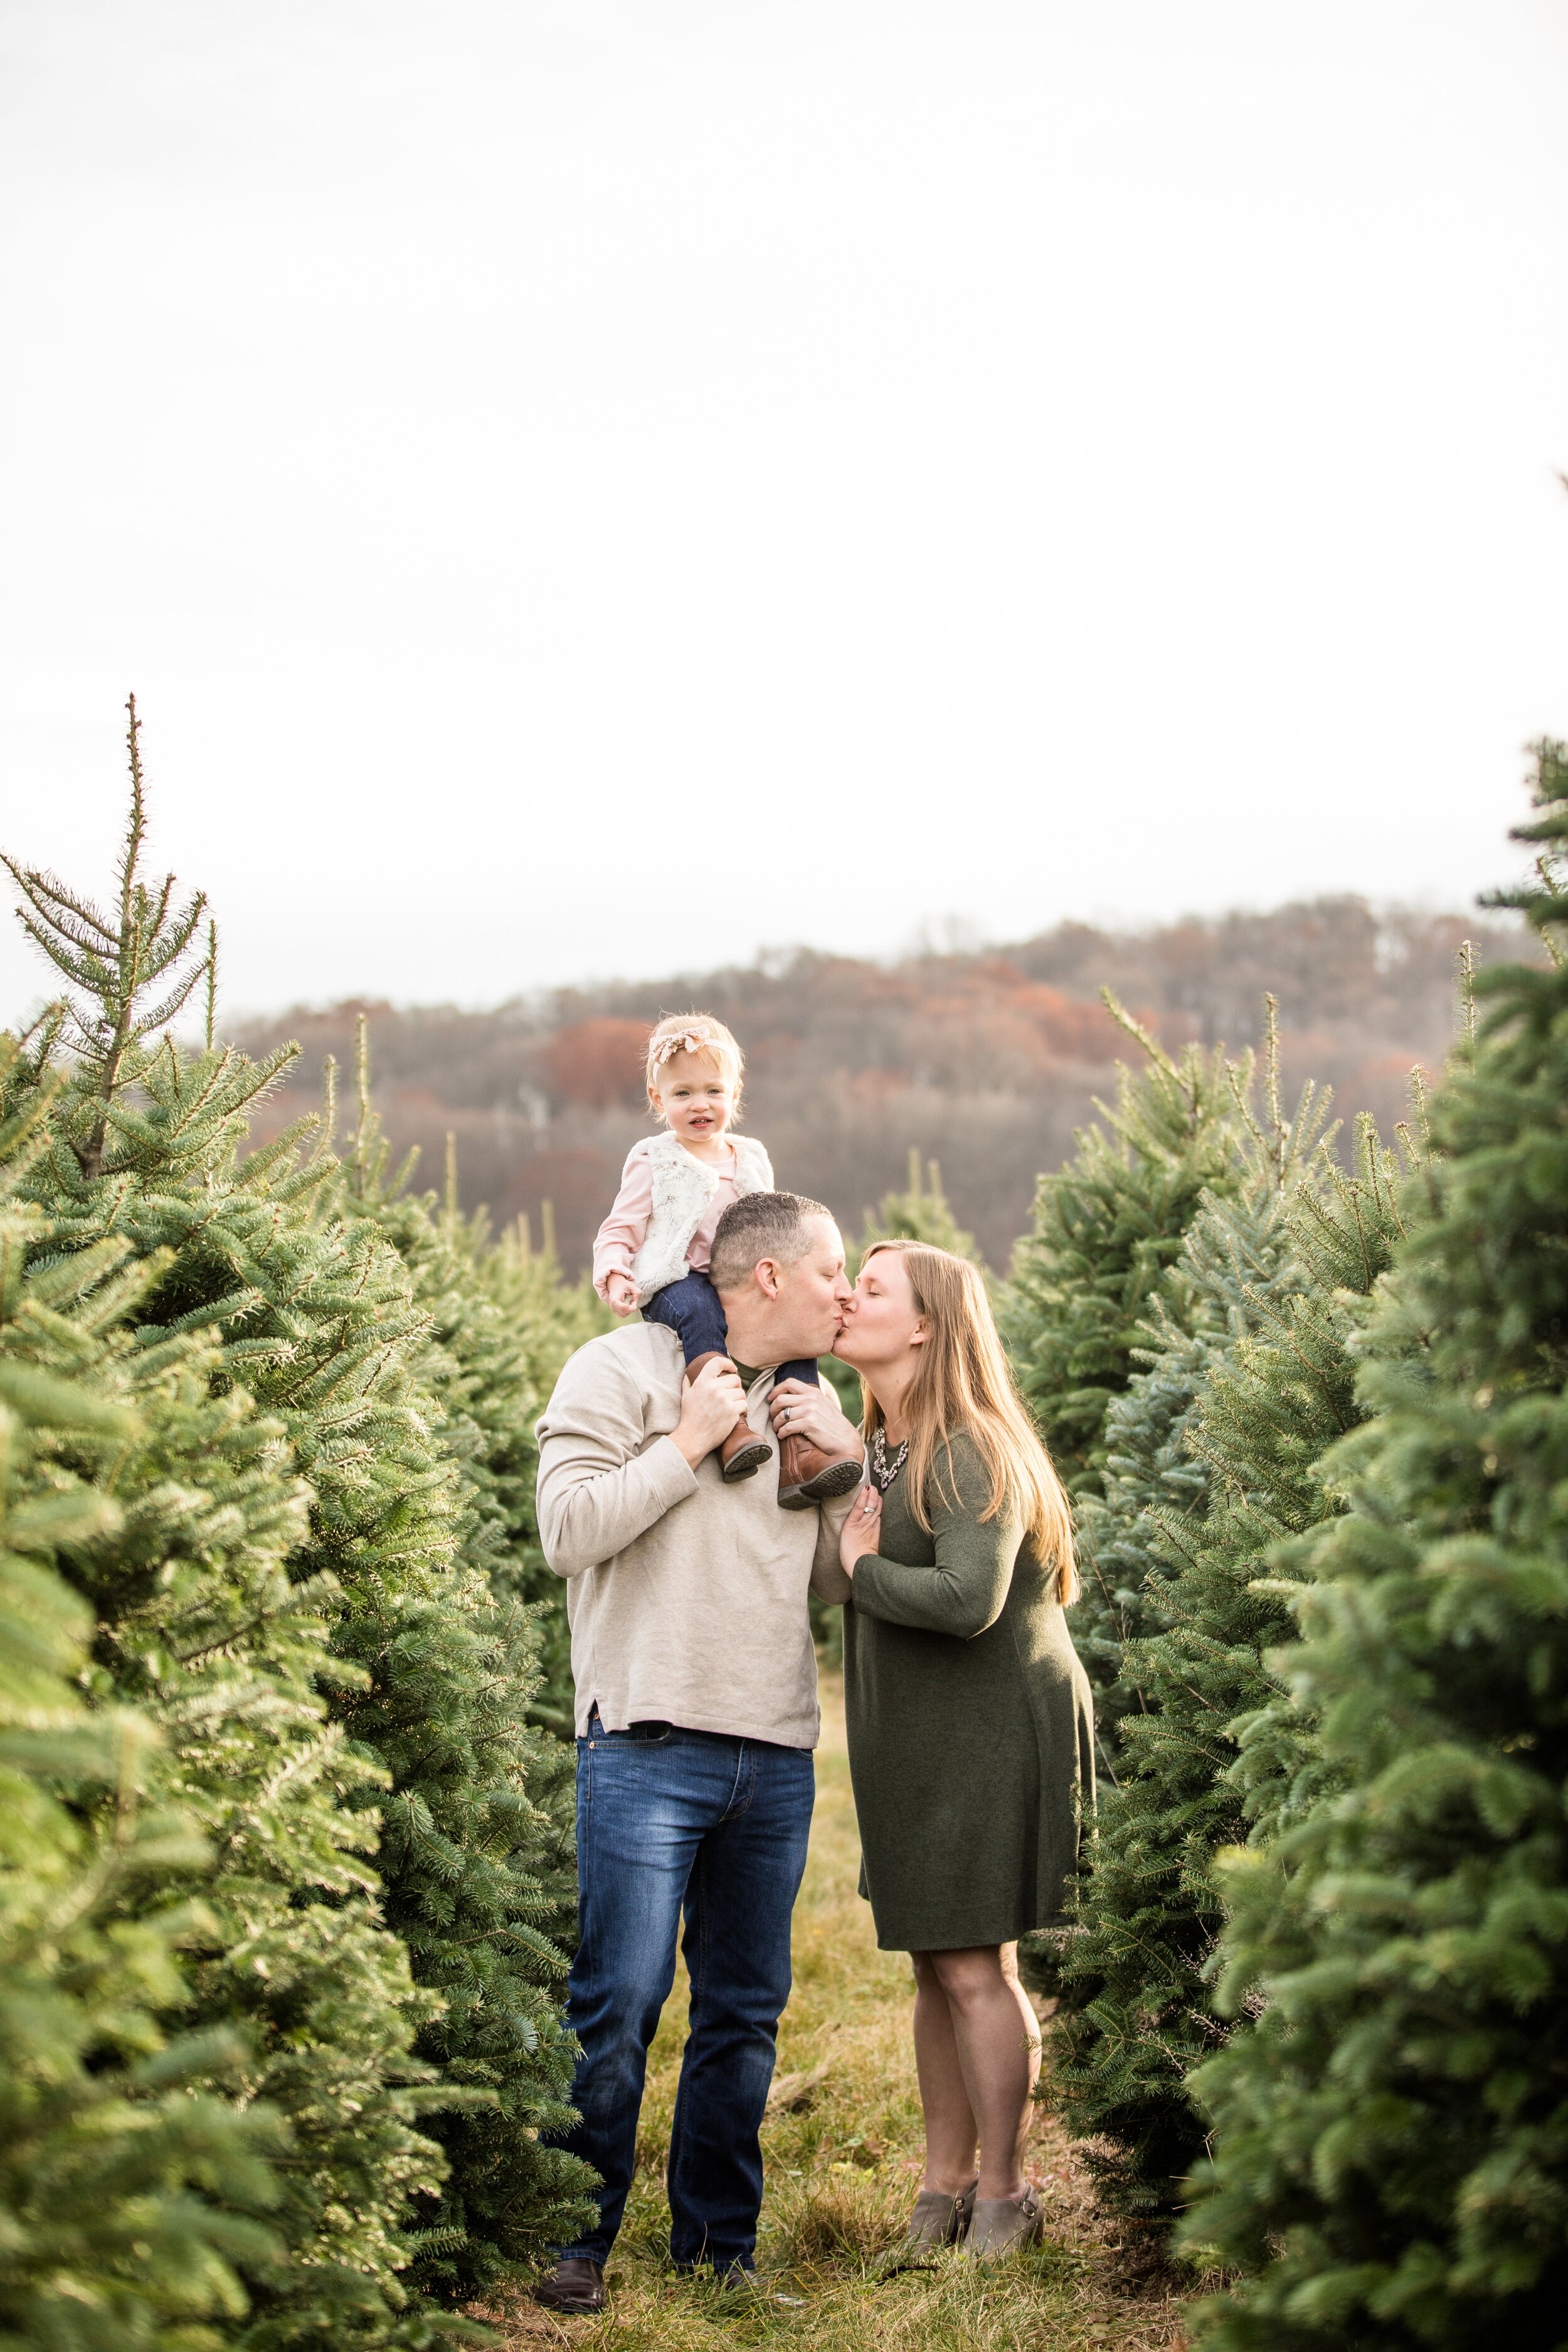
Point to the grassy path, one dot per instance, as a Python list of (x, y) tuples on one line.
[(842, 2143)]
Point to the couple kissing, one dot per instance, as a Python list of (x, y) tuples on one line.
[(696, 1483)]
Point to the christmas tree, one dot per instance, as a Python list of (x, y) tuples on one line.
[(199, 1623), (1269, 1284), (1392, 2135), (1106, 1228), (483, 1871), (921, 1212), (1147, 1466), (132, 2194), (545, 1318), (287, 1323)]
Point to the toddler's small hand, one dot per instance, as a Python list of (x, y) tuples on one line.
[(621, 1294)]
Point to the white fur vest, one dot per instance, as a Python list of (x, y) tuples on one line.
[(682, 1188)]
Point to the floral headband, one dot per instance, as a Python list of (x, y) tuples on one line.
[(689, 1041)]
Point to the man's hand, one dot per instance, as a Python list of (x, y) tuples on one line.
[(800, 1409), (710, 1405), (862, 1530), (621, 1294)]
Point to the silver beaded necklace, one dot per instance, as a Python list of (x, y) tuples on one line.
[(884, 1471)]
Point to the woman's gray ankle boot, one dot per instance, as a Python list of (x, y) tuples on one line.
[(1002, 2225), (939, 2220)]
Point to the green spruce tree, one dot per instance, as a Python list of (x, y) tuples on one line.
[(211, 1615), (1106, 1228), (545, 1318), (921, 1212), (132, 2190), (263, 1279), (1149, 1473), (1391, 2154), (481, 1867), (1273, 1281)]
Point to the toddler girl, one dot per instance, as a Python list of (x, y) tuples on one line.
[(652, 1250)]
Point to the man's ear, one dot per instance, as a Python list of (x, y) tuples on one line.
[(766, 1275)]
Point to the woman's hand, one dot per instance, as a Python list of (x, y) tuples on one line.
[(800, 1409), (862, 1530), (621, 1294)]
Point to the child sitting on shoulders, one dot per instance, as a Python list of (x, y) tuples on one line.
[(652, 1250)]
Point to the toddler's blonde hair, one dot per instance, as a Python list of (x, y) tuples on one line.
[(693, 1032)]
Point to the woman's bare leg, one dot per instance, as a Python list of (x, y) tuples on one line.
[(996, 2041), (951, 2133)]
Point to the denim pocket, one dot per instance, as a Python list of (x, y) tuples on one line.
[(650, 1734)]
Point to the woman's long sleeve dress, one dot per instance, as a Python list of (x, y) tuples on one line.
[(969, 1721)]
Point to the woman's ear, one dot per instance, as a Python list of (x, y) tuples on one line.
[(921, 1334)]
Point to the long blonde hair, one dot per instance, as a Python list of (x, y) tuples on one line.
[(962, 1381)]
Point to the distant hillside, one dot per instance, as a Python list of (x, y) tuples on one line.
[(985, 1062)]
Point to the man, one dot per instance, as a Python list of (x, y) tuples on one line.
[(696, 1718)]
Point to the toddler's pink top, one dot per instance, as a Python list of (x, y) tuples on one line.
[(624, 1230)]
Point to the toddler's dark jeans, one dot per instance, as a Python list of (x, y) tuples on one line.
[(690, 1308)]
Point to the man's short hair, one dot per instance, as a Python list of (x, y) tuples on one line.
[(759, 1225)]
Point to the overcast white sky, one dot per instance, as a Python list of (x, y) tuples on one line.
[(598, 486)]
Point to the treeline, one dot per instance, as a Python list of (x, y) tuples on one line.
[(986, 1063), (285, 1864), (1314, 2003)]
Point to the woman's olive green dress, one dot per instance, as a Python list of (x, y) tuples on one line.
[(971, 1725)]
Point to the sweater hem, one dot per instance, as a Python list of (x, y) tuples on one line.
[(650, 1711)]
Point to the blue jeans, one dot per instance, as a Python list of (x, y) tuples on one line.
[(667, 1819), (690, 1308)]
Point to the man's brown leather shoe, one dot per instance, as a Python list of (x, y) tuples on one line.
[(808, 1476), (574, 2284), (742, 1453)]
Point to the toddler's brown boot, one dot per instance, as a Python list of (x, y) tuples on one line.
[(742, 1453), (808, 1476)]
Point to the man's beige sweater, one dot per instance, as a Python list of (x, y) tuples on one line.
[(687, 1598)]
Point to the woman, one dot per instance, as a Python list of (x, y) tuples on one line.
[(971, 1742)]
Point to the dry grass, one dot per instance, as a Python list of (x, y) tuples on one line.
[(842, 2142)]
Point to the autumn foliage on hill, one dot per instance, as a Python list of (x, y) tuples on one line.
[(985, 1061)]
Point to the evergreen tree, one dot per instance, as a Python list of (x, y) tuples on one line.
[(1149, 1472), (921, 1213), (1392, 2137), (266, 1272), (1274, 1280), (481, 1867), (1106, 1228), (199, 1622), (129, 2192), (545, 1319)]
